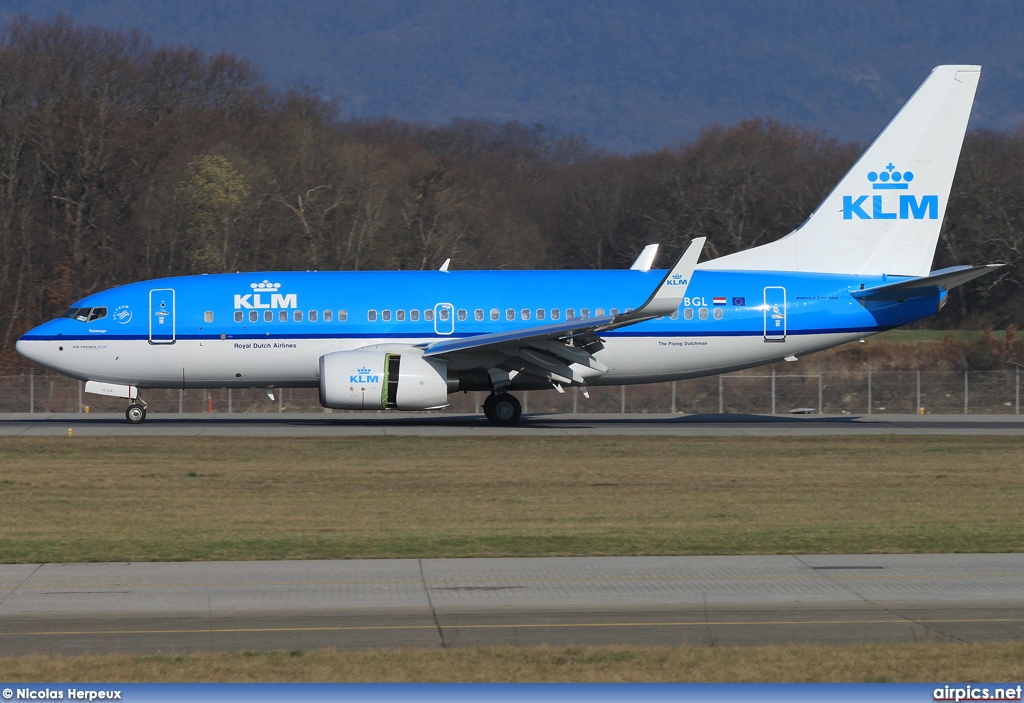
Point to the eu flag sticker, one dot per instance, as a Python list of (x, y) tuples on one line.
[(739, 301)]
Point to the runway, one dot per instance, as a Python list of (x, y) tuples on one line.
[(303, 605), (452, 425)]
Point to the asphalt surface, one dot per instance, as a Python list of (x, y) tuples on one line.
[(753, 600), (452, 425)]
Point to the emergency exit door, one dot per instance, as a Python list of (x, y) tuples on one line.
[(774, 314), (161, 316)]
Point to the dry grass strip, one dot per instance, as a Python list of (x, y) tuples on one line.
[(993, 662), (83, 499)]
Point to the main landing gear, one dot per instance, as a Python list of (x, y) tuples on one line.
[(135, 413), (502, 409)]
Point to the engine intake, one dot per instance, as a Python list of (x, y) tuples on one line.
[(366, 379)]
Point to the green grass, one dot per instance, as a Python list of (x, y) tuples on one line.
[(83, 499)]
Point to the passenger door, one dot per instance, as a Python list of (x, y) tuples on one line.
[(161, 316), (774, 314)]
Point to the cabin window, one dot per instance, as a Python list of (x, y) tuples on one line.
[(718, 313), (208, 316), (540, 313), (428, 315), (268, 315), (385, 315), (461, 314), (570, 314), (239, 316), (688, 314), (443, 314), (613, 312), (478, 314), (282, 316), (414, 315), (495, 314), (674, 315), (400, 315), (599, 312), (525, 313), (510, 314), (312, 315), (297, 316), (585, 313), (555, 313), (702, 313), (342, 315), (327, 315), (253, 316), (371, 315)]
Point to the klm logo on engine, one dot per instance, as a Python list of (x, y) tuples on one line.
[(265, 295), (364, 375), (891, 206)]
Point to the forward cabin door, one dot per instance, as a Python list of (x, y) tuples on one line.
[(161, 316), (775, 314)]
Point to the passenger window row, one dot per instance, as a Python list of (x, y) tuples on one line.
[(702, 313), (282, 316), (462, 315), (495, 314)]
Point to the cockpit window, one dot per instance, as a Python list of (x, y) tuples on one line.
[(86, 314)]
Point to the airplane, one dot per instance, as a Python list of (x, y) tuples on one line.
[(405, 340)]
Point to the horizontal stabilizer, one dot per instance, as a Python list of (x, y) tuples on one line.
[(942, 280)]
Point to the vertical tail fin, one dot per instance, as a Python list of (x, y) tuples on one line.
[(885, 215)]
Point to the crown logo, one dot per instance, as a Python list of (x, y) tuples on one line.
[(890, 179), (264, 286), (365, 370)]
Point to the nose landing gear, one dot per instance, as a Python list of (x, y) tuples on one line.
[(502, 409)]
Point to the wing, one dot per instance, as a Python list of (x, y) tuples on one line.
[(548, 351)]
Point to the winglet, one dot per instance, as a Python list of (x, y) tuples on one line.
[(668, 296), (646, 259), (444, 266)]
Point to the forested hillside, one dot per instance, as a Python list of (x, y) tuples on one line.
[(121, 160)]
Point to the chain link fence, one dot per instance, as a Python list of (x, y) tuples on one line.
[(993, 391)]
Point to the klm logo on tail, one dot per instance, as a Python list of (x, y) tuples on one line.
[(891, 207)]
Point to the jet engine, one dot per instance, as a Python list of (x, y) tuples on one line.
[(372, 379)]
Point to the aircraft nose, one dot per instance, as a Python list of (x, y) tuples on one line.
[(34, 349)]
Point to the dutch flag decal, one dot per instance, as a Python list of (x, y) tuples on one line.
[(718, 300)]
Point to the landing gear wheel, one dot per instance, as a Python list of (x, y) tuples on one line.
[(503, 409), (135, 413), (489, 407)]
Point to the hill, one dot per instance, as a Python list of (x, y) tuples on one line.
[(628, 76)]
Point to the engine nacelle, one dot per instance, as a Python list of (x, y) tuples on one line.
[(368, 379)]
